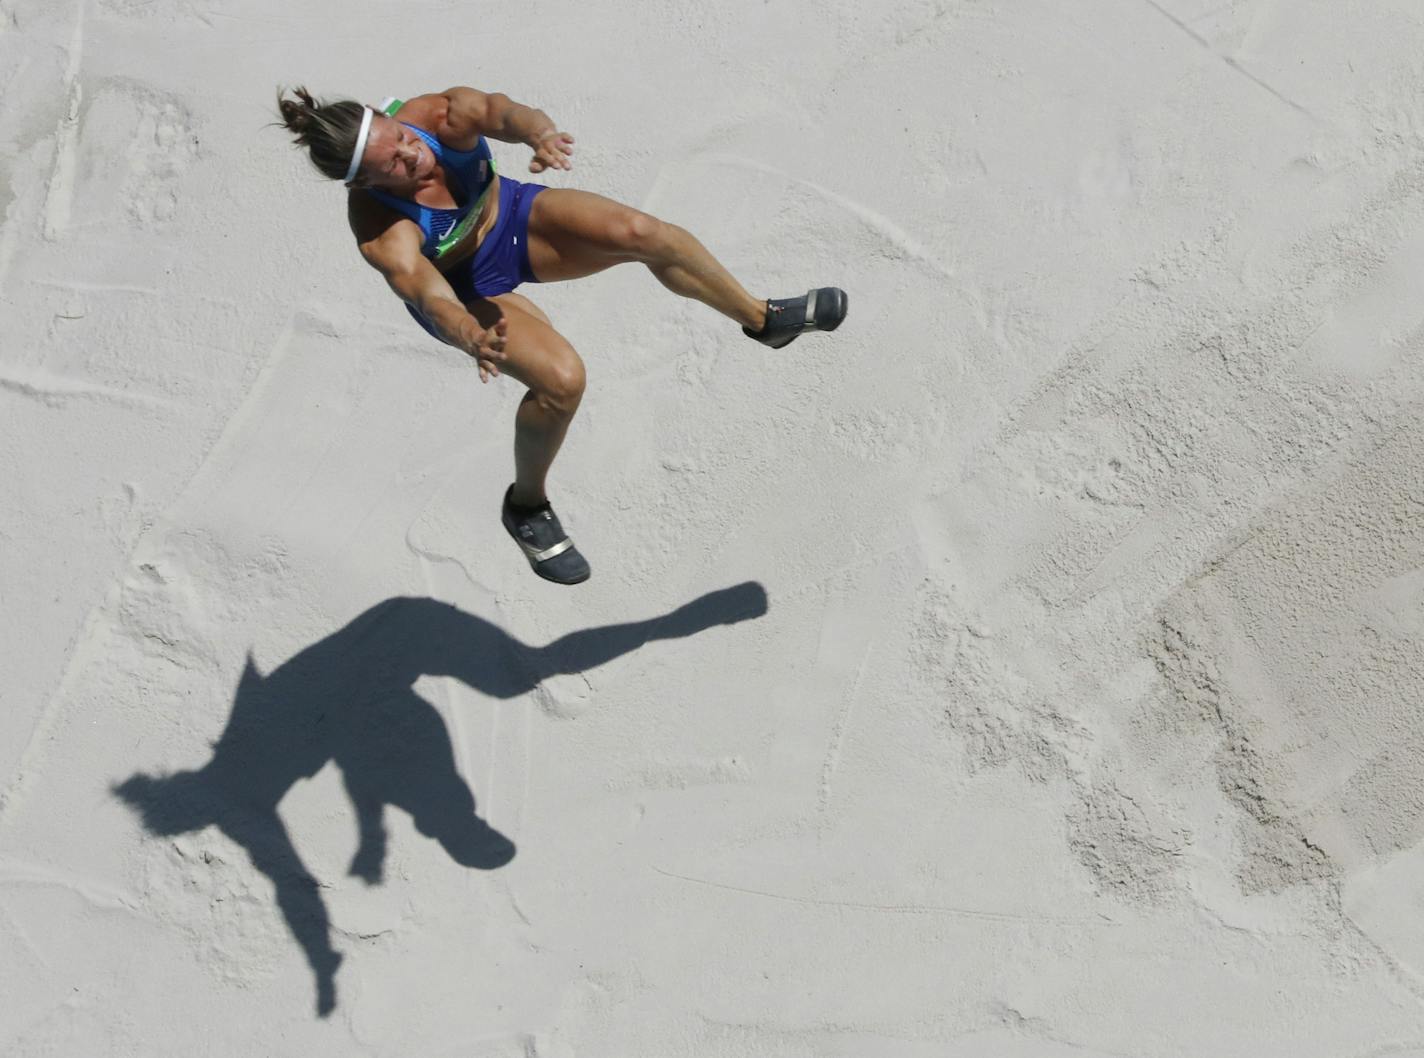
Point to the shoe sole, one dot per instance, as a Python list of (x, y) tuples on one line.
[(843, 304)]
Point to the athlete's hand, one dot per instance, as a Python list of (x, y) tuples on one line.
[(553, 150), (487, 346)]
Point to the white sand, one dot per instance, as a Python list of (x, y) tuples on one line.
[(1084, 718)]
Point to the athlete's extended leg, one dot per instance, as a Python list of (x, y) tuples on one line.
[(577, 233)]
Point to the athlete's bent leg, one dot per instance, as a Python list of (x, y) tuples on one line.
[(542, 359), (577, 233)]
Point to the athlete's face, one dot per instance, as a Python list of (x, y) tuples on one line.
[(395, 156)]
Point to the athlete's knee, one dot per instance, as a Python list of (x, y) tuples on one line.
[(562, 384), (643, 236), (569, 380)]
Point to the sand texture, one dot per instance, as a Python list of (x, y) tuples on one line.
[(1031, 669)]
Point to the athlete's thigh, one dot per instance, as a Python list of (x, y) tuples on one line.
[(577, 233), (535, 353), (521, 302)]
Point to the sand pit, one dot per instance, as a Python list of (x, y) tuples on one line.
[(1031, 668)]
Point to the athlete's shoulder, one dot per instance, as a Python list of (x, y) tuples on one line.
[(369, 218), (424, 111), (457, 117), (468, 116)]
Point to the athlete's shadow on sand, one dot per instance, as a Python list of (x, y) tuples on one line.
[(349, 699)]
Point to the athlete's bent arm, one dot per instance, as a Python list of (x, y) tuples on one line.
[(394, 251), (495, 115)]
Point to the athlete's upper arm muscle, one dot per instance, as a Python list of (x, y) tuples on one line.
[(391, 245), (473, 113)]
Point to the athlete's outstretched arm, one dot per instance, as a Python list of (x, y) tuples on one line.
[(393, 249), (497, 116)]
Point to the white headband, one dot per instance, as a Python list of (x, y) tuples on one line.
[(366, 114)]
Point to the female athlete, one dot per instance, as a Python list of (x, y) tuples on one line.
[(453, 239)]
